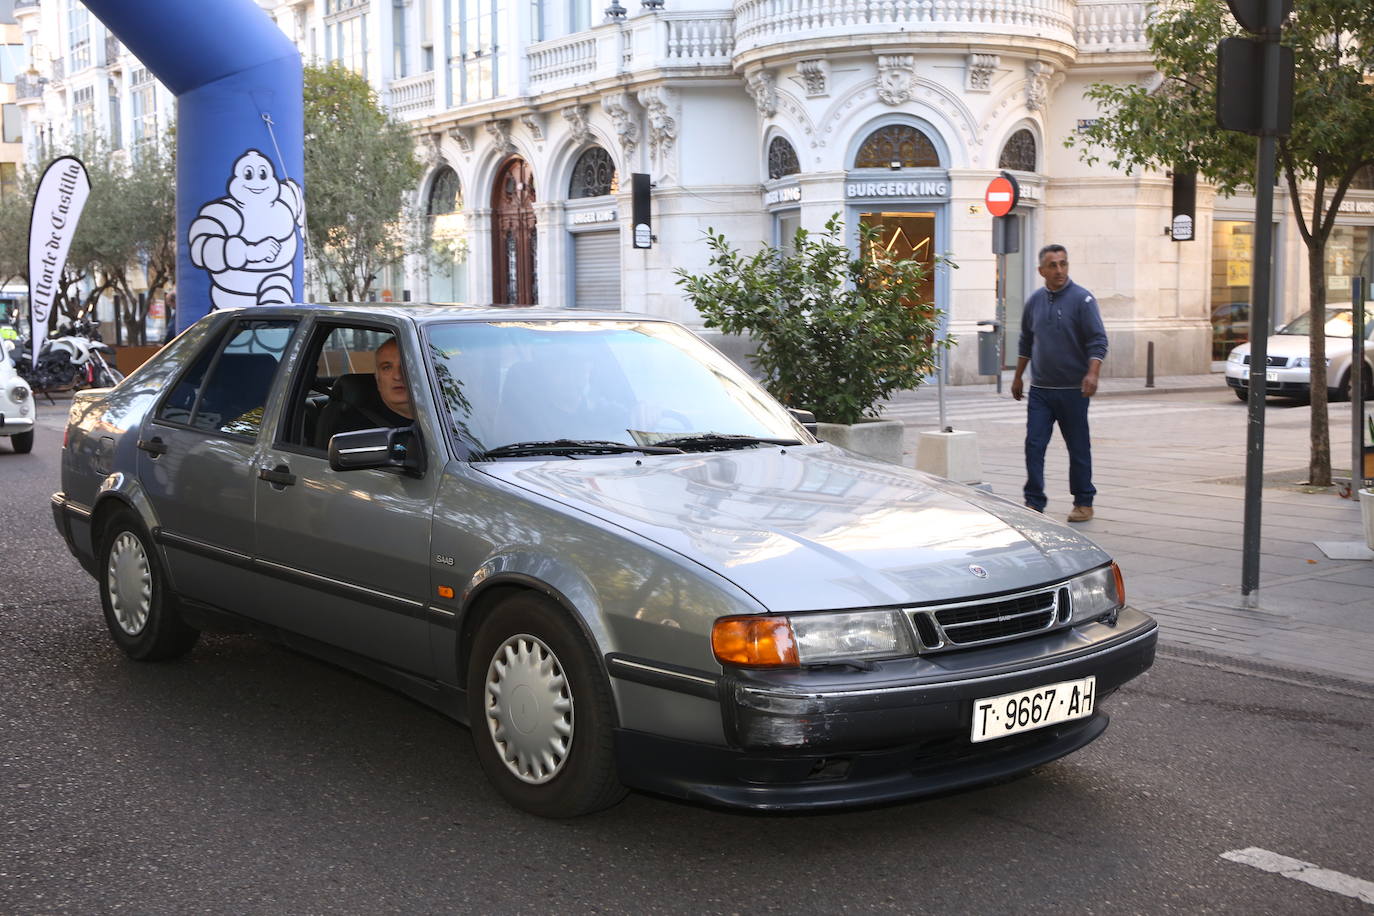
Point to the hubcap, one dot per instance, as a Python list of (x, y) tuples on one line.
[(130, 582), (529, 709)]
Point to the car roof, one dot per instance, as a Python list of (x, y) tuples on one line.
[(427, 313)]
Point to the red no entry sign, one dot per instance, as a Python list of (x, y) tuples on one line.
[(1002, 195)]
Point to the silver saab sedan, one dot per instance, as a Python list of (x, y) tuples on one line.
[(598, 543)]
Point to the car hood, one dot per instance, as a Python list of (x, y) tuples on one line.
[(816, 527)]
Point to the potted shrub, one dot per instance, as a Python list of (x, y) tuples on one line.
[(834, 333)]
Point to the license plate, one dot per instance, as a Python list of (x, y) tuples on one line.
[(1013, 713), (1269, 376)]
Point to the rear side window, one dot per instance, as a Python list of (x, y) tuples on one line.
[(225, 390)]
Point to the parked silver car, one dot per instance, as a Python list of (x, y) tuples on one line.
[(1288, 371), (601, 545), (17, 410)]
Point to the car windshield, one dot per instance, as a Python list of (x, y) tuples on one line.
[(554, 385), (1339, 323)]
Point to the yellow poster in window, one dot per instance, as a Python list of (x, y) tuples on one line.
[(1238, 272)]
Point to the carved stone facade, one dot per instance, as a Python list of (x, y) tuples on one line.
[(981, 67), (578, 126), (815, 76), (762, 85), (896, 74), (1038, 75), (660, 105), (620, 107)]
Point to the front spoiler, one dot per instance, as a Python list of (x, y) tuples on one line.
[(796, 749)]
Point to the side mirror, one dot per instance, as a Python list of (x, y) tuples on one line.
[(395, 448), (805, 417)]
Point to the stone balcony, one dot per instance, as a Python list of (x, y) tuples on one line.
[(1112, 27), (673, 44), (28, 90), (413, 96), (768, 31)]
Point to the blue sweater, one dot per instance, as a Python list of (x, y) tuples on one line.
[(1060, 333)]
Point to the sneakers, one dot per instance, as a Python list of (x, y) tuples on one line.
[(1081, 514)]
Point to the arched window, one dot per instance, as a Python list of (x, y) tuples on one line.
[(444, 196), (896, 146), (782, 159), (593, 175), (1019, 153), (447, 238)]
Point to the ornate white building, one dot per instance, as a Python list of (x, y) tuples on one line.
[(756, 119)]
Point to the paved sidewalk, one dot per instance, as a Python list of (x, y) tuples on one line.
[(1170, 507)]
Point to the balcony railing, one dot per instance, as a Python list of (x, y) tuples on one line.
[(1113, 25), (25, 5), (760, 23), (113, 50), (413, 97), (28, 88), (679, 43)]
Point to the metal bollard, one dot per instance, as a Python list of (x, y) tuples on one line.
[(1150, 364)]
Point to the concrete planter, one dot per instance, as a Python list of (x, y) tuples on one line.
[(1367, 515), (881, 439)]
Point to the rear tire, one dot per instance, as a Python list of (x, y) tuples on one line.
[(541, 712), (22, 442), (140, 609)]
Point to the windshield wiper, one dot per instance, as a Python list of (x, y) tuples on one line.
[(716, 442), (575, 447)]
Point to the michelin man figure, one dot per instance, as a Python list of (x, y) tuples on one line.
[(247, 240)]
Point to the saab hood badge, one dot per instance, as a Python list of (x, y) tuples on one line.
[(978, 571)]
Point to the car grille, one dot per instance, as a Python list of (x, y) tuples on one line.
[(1273, 362), (979, 623)]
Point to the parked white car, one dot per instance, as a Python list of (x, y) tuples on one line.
[(1288, 372), (16, 404)]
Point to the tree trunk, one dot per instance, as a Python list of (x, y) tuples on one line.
[(1319, 467)]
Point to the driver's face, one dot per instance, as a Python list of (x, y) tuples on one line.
[(391, 380)]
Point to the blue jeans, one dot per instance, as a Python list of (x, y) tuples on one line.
[(1068, 408)]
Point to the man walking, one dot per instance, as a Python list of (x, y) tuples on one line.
[(1063, 341)]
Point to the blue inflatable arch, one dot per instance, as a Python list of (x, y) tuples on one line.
[(240, 148)]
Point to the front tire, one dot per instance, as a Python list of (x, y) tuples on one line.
[(22, 442), (140, 609), (541, 712)]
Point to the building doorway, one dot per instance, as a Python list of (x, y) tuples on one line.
[(515, 279)]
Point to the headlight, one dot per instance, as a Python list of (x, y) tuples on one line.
[(810, 639), (19, 393), (1097, 594), (1301, 362), (1236, 357)]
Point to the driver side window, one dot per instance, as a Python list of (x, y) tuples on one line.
[(338, 386)]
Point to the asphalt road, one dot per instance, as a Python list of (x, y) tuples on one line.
[(249, 779)]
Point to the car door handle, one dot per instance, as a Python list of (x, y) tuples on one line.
[(279, 476), (154, 446)]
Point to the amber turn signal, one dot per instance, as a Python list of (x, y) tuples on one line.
[(445, 591), (1120, 584), (754, 642)]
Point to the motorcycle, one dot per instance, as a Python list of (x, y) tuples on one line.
[(75, 358)]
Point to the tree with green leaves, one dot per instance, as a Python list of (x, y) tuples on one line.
[(1174, 126), (836, 332), (360, 166)]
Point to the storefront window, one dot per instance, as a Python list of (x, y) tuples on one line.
[(447, 239), (1348, 254), (1233, 247)]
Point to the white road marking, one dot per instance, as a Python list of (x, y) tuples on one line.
[(1306, 872)]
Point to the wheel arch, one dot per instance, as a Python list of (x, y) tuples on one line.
[(491, 590)]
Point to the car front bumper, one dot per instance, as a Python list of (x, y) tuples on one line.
[(11, 423), (800, 746), (1277, 381)]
